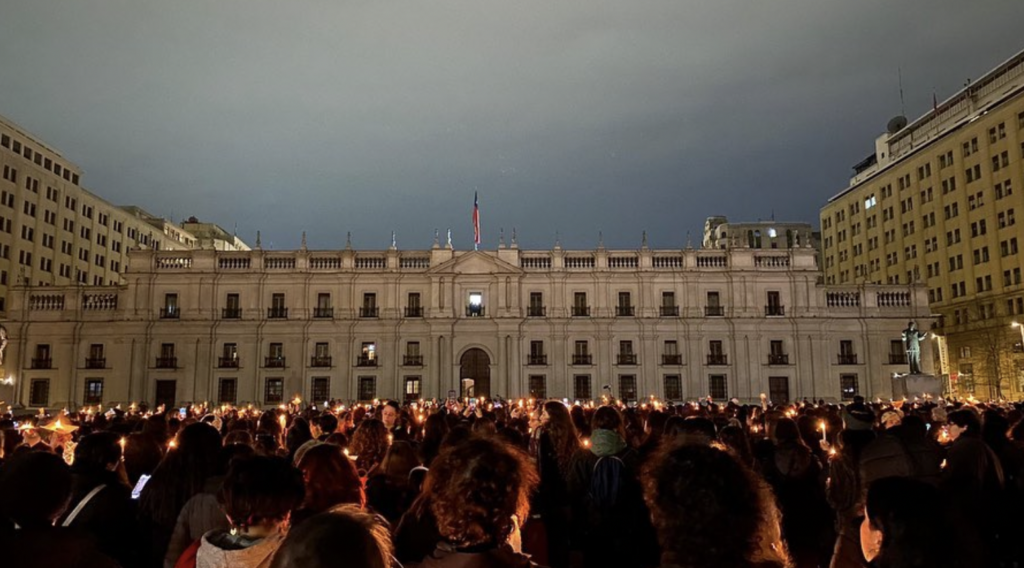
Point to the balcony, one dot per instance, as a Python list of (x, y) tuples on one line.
[(582, 359), (231, 313), (274, 362), (323, 312), (414, 312), (365, 361), (778, 359), (774, 310), (626, 359), (475, 311), (320, 361), (581, 311), (369, 312), (536, 311), (412, 360), (166, 362), (675, 359), (277, 313), (96, 363), (42, 363), (718, 359), (227, 362), (624, 311), (170, 313), (669, 311), (847, 358), (897, 358), (536, 359), (714, 311)]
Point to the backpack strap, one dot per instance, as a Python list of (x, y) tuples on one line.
[(81, 505)]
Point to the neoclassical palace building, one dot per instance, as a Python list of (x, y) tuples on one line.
[(262, 326)]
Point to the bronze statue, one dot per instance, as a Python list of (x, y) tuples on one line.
[(912, 343)]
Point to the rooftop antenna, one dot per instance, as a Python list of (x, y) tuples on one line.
[(903, 109)]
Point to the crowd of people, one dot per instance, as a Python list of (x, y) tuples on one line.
[(460, 484)]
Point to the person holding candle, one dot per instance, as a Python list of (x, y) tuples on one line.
[(101, 501)]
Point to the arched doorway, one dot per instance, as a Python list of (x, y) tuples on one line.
[(475, 365)]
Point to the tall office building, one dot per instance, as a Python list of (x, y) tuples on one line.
[(260, 326), (54, 232), (936, 203)]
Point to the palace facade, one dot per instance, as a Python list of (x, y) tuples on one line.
[(262, 326)]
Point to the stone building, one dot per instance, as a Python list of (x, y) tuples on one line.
[(261, 326)]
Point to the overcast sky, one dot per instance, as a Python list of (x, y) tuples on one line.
[(568, 116)]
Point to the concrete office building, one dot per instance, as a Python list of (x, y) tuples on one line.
[(936, 203), (54, 232)]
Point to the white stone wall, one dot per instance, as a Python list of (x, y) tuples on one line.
[(127, 321)]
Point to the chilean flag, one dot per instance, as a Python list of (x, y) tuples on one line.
[(476, 222)]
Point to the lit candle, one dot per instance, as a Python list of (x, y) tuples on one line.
[(123, 442), (172, 444), (822, 430), (586, 443), (283, 420)]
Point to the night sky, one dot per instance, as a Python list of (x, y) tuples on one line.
[(569, 116)]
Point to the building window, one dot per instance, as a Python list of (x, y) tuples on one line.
[(39, 392), (673, 387), (323, 307), (273, 391), (627, 387), (718, 387), (581, 387), (414, 309), (670, 353), (716, 353), (413, 388), (774, 305), (232, 309), (367, 388), (714, 306), (848, 386), (846, 354), (537, 356), (626, 355), (536, 307), (275, 356), (369, 307), (475, 308), (625, 306), (321, 391), (166, 392), (321, 355), (778, 390), (170, 309), (668, 304), (368, 355), (43, 358), (579, 305), (229, 356), (93, 391), (538, 387), (227, 391), (777, 353), (413, 358), (581, 353), (277, 309)]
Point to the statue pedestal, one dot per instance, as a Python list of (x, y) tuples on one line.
[(918, 385)]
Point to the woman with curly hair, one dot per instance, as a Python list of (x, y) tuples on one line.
[(330, 480), (711, 511), (369, 444), (478, 490), (556, 448)]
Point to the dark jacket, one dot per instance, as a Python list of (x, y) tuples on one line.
[(49, 547), (416, 535), (109, 516), (447, 556), (893, 454)]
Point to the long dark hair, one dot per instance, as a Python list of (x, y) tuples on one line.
[(909, 514), (562, 433), (181, 474)]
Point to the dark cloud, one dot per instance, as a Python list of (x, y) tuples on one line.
[(571, 117)]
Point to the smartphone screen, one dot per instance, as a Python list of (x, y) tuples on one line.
[(137, 490)]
